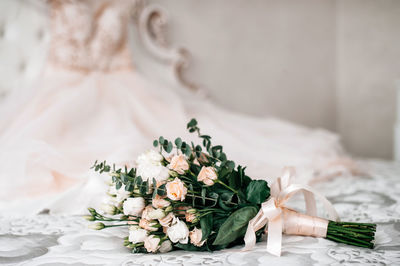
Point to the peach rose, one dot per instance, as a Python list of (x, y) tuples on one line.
[(195, 237), (151, 243), (159, 202), (166, 221), (179, 164), (176, 190), (190, 217), (207, 175), (146, 211), (148, 225)]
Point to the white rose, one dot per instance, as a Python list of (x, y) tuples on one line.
[(151, 243), (165, 246), (150, 156), (149, 167), (149, 171), (178, 232), (134, 206), (137, 234)]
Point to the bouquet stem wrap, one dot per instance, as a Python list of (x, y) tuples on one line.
[(280, 219)]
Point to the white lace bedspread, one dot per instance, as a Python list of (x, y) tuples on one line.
[(65, 240)]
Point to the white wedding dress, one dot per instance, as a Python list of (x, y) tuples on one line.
[(90, 104)]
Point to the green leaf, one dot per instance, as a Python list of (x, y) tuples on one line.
[(155, 143), (118, 184), (161, 140), (206, 224), (230, 165), (147, 187), (188, 151), (169, 147), (155, 192), (235, 226), (224, 200), (192, 123), (178, 143), (129, 186), (257, 191), (161, 190), (215, 196), (143, 188), (138, 181)]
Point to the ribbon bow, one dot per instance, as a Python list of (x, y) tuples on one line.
[(272, 211)]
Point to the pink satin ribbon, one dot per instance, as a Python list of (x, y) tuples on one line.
[(272, 213)]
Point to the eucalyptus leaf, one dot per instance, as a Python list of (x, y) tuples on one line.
[(169, 147), (155, 143), (118, 184), (235, 226), (192, 123), (178, 142)]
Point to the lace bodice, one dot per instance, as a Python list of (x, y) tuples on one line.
[(89, 35)]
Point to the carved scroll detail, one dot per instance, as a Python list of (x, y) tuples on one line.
[(152, 23)]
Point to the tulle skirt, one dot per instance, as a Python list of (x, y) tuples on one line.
[(51, 134)]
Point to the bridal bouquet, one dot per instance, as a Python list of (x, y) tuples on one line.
[(191, 197)]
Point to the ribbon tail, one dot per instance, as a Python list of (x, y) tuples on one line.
[(250, 236), (274, 245), (311, 205)]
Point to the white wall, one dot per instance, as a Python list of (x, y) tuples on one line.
[(264, 57), (330, 64), (368, 63)]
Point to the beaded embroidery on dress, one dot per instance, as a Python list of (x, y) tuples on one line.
[(91, 103)]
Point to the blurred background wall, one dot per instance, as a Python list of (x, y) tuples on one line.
[(330, 64)]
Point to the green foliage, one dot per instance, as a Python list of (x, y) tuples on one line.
[(206, 224), (223, 209), (235, 226), (257, 191)]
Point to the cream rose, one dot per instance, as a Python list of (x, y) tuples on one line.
[(165, 246), (166, 221), (176, 190), (137, 234), (207, 175), (134, 206), (159, 202), (195, 237), (151, 243), (148, 225), (179, 164), (178, 232)]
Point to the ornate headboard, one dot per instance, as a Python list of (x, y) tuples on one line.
[(24, 39)]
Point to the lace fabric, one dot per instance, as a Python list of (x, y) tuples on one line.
[(63, 239), (90, 35)]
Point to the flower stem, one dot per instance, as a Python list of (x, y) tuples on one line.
[(225, 185)]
